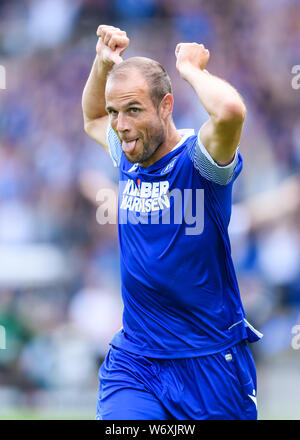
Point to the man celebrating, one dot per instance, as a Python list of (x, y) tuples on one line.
[(182, 352)]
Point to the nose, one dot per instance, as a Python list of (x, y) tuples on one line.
[(122, 123)]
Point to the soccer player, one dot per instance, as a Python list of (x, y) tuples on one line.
[(183, 350)]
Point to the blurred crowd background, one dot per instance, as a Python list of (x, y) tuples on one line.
[(60, 300)]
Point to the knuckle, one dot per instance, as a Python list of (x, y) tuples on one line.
[(102, 27), (108, 36), (99, 30), (114, 30)]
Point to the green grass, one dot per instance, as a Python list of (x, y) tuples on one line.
[(44, 415)]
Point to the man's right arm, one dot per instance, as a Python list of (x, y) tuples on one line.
[(112, 42)]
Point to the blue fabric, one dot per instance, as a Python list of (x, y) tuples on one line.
[(221, 386), (180, 293)]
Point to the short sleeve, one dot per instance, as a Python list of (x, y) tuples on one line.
[(209, 169), (114, 145)]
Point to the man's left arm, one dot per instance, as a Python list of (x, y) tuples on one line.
[(221, 134)]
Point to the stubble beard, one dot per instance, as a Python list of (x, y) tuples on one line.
[(149, 148)]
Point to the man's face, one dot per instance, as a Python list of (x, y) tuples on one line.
[(134, 117)]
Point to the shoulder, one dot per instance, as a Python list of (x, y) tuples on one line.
[(206, 165), (114, 146)]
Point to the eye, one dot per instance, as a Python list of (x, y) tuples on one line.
[(112, 112), (134, 110)]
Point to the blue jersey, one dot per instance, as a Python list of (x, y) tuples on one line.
[(179, 288)]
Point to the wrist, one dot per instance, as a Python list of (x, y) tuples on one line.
[(104, 64), (187, 71)]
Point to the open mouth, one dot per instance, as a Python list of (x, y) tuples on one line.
[(129, 146)]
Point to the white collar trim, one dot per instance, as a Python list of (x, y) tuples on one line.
[(184, 133)]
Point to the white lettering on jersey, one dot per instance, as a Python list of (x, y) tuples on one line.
[(145, 196)]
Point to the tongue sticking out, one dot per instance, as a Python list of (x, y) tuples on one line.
[(128, 147)]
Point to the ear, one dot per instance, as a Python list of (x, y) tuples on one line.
[(166, 106)]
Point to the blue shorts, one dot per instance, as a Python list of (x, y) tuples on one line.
[(221, 386)]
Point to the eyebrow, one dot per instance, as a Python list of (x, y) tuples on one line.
[(129, 104)]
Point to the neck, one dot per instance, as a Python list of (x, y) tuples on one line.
[(172, 137)]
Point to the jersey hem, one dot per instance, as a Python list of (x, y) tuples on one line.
[(178, 354)]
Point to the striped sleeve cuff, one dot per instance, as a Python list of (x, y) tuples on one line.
[(114, 145), (209, 169)]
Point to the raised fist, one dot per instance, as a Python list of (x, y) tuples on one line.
[(112, 42), (191, 54)]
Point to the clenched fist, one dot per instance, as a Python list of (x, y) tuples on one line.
[(112, 42), (191, 54)]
